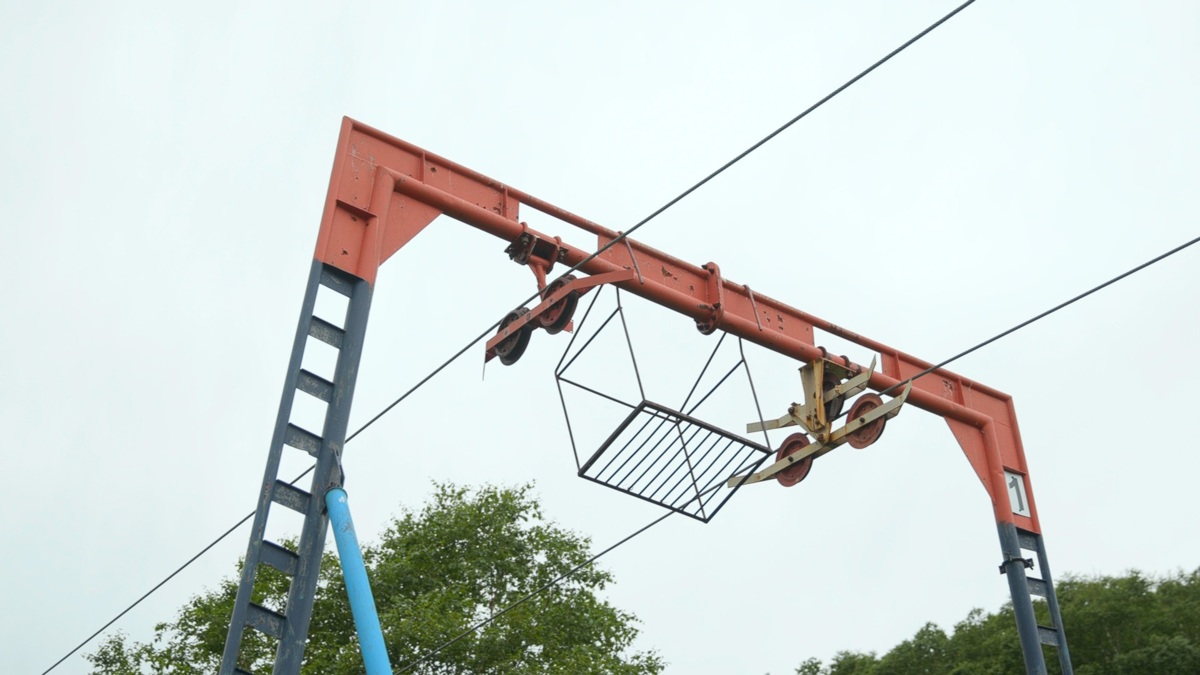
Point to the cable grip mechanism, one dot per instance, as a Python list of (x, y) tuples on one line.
[(826, 386)]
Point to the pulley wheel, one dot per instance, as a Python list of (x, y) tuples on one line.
[(558, 315), (871, 432), (511, 348), (798, 471)]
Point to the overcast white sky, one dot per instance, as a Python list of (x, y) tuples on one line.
[(164, 169)]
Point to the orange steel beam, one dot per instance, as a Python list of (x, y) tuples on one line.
[(384, 191)]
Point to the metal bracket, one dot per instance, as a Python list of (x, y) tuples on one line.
[(808, 414), (1027, 562), (823, 446), (716, 300), (536, 251), (533, 246), (580, 286), (337, 479)]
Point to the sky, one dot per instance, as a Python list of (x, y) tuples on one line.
[(164, 169)]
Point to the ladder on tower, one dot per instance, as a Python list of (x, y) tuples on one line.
[(302, 565), (1024, 587)]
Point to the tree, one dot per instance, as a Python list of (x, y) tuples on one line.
[(1126, 625), (464, 557), (853, 663), (927, 653)]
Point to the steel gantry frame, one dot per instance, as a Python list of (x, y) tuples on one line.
[(385, 191)]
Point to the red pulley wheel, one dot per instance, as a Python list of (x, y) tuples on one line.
[(798, 471), (557, 316), (512, 347), (870, 433)]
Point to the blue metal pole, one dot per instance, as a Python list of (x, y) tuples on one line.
[(1022, 602), (358, 587)]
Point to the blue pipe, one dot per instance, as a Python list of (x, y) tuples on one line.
[(358, 587)]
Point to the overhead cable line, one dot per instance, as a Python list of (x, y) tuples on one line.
[(923, 373), (152, 590), (565, 575), (620, 237), (1043, 315)]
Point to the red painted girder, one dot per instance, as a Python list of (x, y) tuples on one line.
[(384, 191)]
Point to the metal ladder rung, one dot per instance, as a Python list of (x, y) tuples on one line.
[(265, 620), (1028, 540), (279, 557), (326, 332), (314, 385), (1038, 587), (1048, 636), (291, 496), (302, 439), (300, 562), (335, 281)]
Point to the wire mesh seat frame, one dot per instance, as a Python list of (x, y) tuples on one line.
[(660, 454)]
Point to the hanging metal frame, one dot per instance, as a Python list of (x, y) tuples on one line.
[(666, 456)]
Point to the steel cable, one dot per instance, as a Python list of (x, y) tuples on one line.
[(654, 214)]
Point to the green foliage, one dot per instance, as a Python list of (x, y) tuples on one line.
[(925, 653), (462, 558), (852, 663), (810, 667), (1127, 625)]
